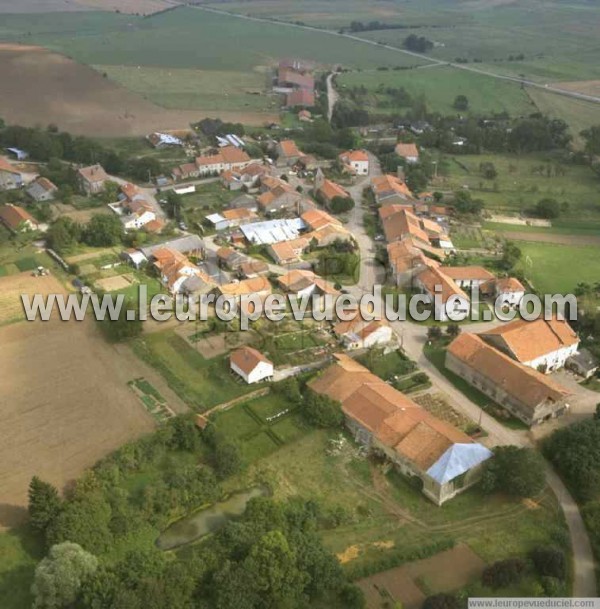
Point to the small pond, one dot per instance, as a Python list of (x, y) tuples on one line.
[(208, 520)]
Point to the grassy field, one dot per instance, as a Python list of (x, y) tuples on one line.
[(557, 38), (382, 515), (578, 114), (559, 268), (523, 180), (189, 38), (440, 86), (20, 552), (196, 89), (201, 383)]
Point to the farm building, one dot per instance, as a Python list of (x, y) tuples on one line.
[(42, 189), (523, 391), (272, 231), (163, 140), (544, 345), (17, 219), (10, 178), (444, 459), (389, 189), (583, 363), (251, 365)]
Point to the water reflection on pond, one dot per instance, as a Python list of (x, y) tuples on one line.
[(207, 521)]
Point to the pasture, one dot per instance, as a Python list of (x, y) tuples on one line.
[(440, 86), (578, 114), (522, 181), (557, 39), (558, 268), (65, 405), (190, 38), (206, 90)]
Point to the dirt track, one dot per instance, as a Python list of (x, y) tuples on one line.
[(552, 238), (50, 88)]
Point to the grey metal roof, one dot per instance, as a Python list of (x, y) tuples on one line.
[(457, 460), (189, 243)]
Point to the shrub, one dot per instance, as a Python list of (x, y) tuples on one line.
[(503, 573)]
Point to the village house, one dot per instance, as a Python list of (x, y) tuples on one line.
[(277, 195), (259, 286), (447, 300), (186, 171), (355, 162), (523, 391), (228, 158), (305, 116), (248, 177), (251, 268), (408, 152), (288, 252), (17, 219), (389, 424), (10, 177), (468, 277), (406, 261), (287, 153), (138, 214), (243, 201), (388, 189), (236, 217), (327, 190), (358, 333), (229, 258), (178, 273), (42, 189), (543, 345), (92, 179), (301, 283), (251, 365), (508, 290)]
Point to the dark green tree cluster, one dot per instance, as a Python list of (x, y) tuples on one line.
[(575, 453), (515, 471), (339, 205), (504, 573), (417, 44), (464, 203)]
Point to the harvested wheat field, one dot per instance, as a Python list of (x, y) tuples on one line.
[(586, 87), (64, 404), (11, 288), (54, 89)]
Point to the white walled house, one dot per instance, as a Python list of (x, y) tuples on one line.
[(510, 290), (543, 345), (355, 162), (372, 334), (251, 365), (468, 276), (445, 297)]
